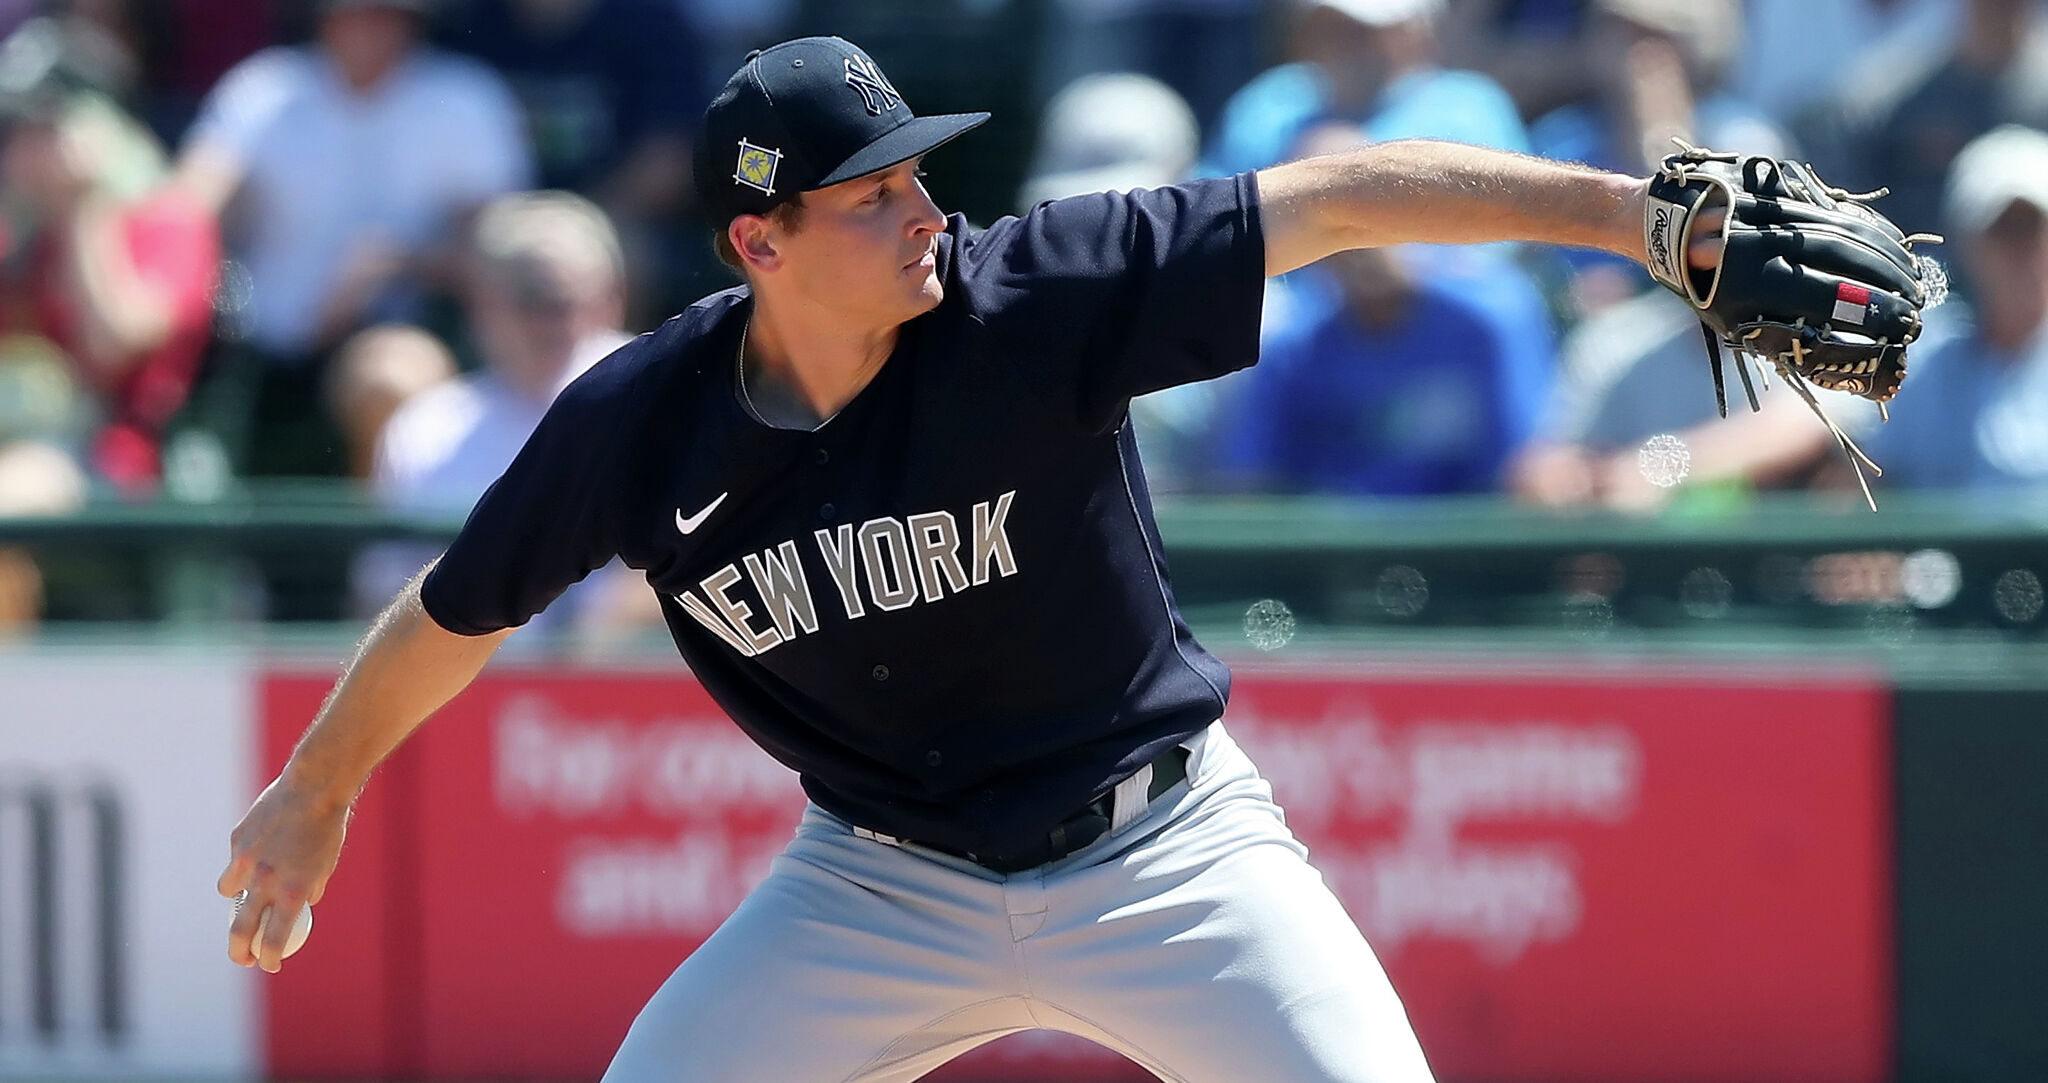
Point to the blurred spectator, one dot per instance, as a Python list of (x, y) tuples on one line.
[(21, 593), (1110, 133), (1410, 384), (1366, 65), (155, 57), (1533, 48), (36, 479), (1203, 49), (1800, 55), (1904, 124), (1365, 71), (342, 167), (544, 294), (612, 95), (1639, 369), (41, 400), (113, 270), (1658, 68), (1975, 412), (374, 373), (105, 38), (158, 57)]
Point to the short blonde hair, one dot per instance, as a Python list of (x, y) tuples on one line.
[(516, 232)]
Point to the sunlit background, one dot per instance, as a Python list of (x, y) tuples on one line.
[(1639, 746)]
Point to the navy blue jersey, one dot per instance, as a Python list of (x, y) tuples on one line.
[(948, 607)]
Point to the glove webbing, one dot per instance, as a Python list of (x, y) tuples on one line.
[(1857, 458)]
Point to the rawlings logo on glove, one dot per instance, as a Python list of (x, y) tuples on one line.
[(1812, 282)]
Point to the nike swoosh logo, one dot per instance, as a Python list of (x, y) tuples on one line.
[(693, 522)]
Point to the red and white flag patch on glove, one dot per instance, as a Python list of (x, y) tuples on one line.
[(1851, 302)]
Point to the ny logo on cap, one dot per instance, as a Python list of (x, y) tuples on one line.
[(756, 168), (874, 88)]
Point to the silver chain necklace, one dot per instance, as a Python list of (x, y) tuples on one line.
[(747, 400), (740, 369)]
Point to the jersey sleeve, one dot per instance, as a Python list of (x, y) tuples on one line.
[(549, 520), (1119, 294)]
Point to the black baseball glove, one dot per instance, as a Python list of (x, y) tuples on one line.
[(1812, 282)]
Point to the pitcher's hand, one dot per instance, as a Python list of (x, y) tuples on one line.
[(283, 851), (1703, 246)]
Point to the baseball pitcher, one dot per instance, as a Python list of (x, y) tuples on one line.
[(888, 496)]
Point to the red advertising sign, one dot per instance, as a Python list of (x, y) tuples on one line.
[(572, 839), (1630, 879), (343, 1007)]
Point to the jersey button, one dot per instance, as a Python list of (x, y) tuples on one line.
[(881, 673), (934, 759), (823, 456), (825, 511)]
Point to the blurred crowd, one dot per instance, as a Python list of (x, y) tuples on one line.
[(370, 239)]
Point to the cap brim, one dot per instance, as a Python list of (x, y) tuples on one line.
[(918, 136)]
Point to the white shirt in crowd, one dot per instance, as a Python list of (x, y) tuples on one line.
[(438, 454), (325, 169)]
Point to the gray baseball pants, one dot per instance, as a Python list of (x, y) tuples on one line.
[(1198, 942)]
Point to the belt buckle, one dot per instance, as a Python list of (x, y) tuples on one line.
[(1055, 843)]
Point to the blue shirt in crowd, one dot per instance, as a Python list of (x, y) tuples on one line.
[(1434, 404), (1972, 416), (1263, 121)]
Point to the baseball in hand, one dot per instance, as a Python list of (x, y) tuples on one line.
[(301, 928)]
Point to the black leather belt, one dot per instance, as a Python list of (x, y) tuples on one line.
[(1078, 830)]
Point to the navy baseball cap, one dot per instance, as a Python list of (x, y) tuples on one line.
[(806, 114)]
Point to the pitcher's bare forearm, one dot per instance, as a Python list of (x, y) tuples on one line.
[(1419, 190), (403, 671), (289, 842)]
